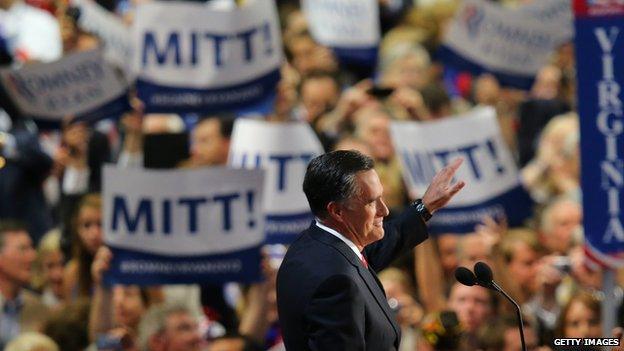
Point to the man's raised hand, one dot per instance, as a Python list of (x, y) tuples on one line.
[(441, 191)]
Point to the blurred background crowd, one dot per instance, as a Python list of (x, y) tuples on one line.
[(52, 256)]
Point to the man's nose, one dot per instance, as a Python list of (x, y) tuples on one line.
[(383, 209)]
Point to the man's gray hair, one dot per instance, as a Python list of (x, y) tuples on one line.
[(155, 320)]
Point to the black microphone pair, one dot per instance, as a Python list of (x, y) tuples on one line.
[(484, 277)]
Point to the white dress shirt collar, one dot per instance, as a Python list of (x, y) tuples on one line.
[(341, 237)]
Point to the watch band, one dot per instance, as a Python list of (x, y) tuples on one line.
[(422, 210)]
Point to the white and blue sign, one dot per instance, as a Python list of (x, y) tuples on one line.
[(183, 226), (492, 183), (111, 30), (284, 151), (600, 71), (350, 27), (195, 58), (511, 43), (82, 85)]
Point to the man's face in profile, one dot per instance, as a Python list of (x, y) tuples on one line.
[(364, 212)]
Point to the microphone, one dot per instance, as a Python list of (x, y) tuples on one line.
[(484, 277), (465, 276)]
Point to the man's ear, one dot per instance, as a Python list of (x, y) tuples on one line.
[(334, 211)]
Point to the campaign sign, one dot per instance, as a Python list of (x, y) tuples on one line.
[(492, 183), (195, 58), (80, 85), (110, 29), (350, 27), (183, 226), (599, 46), (511, 43), (284, 151)]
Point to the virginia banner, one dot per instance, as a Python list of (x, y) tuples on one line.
[(350, 27), (183, 226), (284, 151), (82, 85), (599, 46), (195, 58), (493, 187), (512, 43)]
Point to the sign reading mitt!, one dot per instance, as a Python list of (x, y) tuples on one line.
[(195, 58), (183, 226), (284, 151), (492, 184)]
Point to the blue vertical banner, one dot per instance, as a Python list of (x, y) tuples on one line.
[(599, 46), (350, 27), (194, 58)]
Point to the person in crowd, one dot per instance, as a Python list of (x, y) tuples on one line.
[(32, 341), (68, 327), (503, 335), (49, 269), (210, 142), (537, 111), (399, 292), (372, 126), (22, 310), (319, 93), (169, 328), (116, 311), (520, 252), (24, 166), (555, 170), (580, 318), (437, 101), (88, 238), (307, 56), (560, 225), (80, 159), (352, 143), (405, 65), (475, 306)]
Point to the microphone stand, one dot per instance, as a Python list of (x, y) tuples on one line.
[(518, 313)]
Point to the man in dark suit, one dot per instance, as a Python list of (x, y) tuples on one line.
[(328, 295)]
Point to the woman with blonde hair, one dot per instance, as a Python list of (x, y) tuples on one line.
[(48, 269)]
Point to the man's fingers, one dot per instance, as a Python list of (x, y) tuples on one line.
[(450, 169), (456, 187)]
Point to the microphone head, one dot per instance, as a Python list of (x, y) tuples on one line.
[(465, 276), (483, 273)]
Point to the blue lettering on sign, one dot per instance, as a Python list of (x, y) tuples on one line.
[(130, 217), (281, 161), (172, 53), (132, 222), (422, 166)]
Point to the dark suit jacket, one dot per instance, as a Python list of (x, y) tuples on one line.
[(327, 300)]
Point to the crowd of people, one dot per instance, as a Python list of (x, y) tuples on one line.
[(52, 254)]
